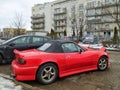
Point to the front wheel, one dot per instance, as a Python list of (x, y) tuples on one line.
[(47, 73), (102, 63)]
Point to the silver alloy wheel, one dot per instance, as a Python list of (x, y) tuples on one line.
[(102, 65), (48, 74)]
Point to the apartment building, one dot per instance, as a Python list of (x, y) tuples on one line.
[(57, 15), (102, 17), (11, 32), (41, 17), (98, 17)]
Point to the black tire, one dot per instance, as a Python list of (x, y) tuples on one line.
[(103, 63), (47, 73), (1, 59)]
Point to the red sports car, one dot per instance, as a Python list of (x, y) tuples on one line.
[(57, 59)]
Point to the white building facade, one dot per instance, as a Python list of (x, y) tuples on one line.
[(102, 16), (98, 17)]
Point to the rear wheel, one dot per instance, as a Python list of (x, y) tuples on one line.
[(103, 63), (47, 73)]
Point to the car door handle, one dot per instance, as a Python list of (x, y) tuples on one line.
[(67, 56)]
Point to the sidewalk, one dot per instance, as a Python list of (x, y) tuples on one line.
[(7, 84)]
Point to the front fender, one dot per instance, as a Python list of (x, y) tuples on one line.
[(102, 53)]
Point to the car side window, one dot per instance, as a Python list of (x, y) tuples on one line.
[(69, 47), (37, 39), (21, 40), (46, 39)]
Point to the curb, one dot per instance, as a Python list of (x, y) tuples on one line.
[(27, 86), (113, 49)]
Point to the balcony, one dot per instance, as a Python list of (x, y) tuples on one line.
[(94, 21), (111, 13), (37, 27), (103, 14), (60, 25), (37, 21), (60, 18), (59, 31), (105, 29), (99, 30), (100, 21), (64, 11), (103, 5), (38, 16)]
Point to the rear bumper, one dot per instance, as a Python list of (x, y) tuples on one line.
[(23, 73)]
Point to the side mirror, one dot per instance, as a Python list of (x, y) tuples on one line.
[(11, 44), (80, 51)]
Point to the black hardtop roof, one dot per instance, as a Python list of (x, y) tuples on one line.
[(60, 41), (32, 35)]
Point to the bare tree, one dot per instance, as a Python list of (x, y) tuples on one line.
[(77, 23), (18, 22)]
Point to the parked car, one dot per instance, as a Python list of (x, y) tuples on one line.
[(70, 38), (22, 42), (57, 59), (90, 40)]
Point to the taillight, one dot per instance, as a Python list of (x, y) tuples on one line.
[(21, 61)]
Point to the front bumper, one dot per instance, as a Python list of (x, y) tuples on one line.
[(23, 73)]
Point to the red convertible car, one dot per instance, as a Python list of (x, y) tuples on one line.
[(57, 59)]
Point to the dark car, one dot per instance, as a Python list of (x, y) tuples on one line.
[(70, 38), (22, 42), (90, 40)]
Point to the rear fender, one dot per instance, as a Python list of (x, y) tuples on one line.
[(18, 53)]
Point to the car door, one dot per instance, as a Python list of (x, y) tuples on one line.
[(36, 42), (20, 43), (76, 57)]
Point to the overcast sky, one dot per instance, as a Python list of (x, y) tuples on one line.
[(8, 8)]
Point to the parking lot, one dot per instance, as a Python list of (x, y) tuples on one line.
[(94, 80)]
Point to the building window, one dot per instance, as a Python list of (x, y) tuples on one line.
[(57, 10), (91, 12), (73, 9), (81, 6), (99, 3), (91, 4), (98, 11), (109, 1), (81, 13)]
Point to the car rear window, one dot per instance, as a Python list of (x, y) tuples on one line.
[(44, 47)]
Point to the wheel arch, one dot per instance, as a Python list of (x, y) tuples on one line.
[(2, 54), (44, 64), (103, 56)]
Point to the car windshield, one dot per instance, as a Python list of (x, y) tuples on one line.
[(44, 47), (7, 41), (89, 38)]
